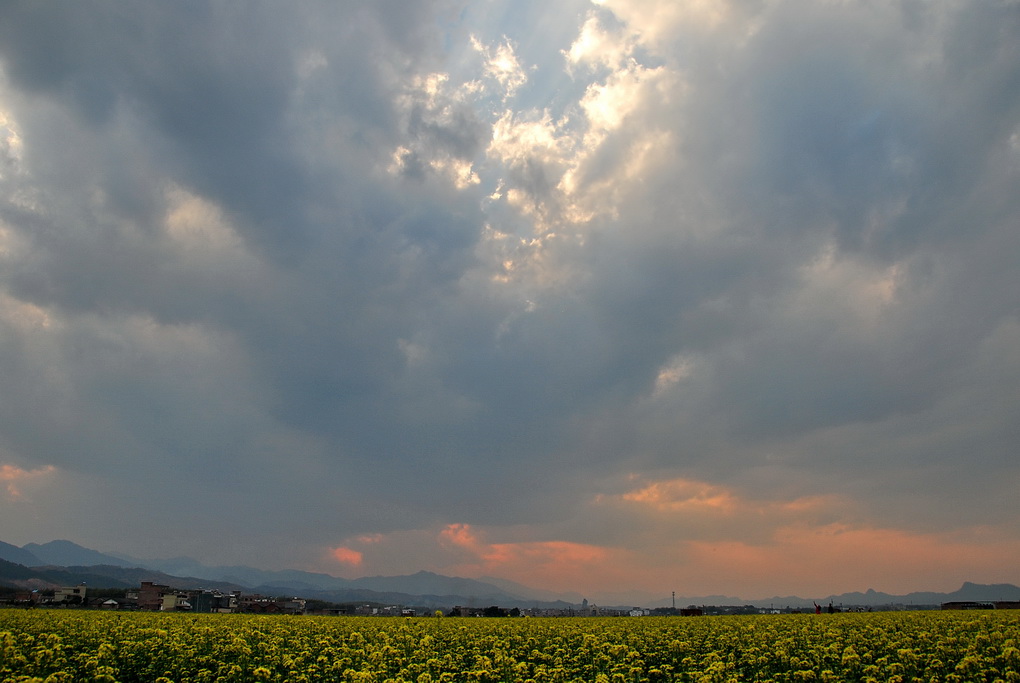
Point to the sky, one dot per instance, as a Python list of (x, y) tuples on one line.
[(705, 296)]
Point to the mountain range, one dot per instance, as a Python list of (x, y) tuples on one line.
[(66, 563)]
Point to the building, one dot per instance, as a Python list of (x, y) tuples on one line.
[(260, 604), (1001, 604), (174, 602), (71, 595), (968, 605), (214, 601), (150, 595)]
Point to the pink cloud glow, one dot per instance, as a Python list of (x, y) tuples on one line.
[(15, 476), (559, 565), (703, 539), (688, 496), (834, 558), (458, 535), (681, 494), (347, 556), (713, 538)]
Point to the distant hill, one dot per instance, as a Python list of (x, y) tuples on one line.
[(107, 576), (41, 578), (14, 574), (422, 583), (66, 563), (99, 576), (535, 593), (968, 592), (67, 553), (428, 601), (249, 576), (422, 588), (428, 583), (13, 553), (133, 576)]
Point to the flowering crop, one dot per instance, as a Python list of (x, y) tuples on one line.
[(55, 646)]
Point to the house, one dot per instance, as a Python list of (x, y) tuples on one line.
[(214, 601), (262, 605), (70, 595), (150, 595), (27, 597), (174, 602)]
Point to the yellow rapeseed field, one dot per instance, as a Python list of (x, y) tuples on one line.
[(67, 645)]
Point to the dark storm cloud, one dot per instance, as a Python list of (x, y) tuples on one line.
[(216, 91), (409, 260), (851, 141), (210, 99)]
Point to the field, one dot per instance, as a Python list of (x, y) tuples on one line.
[(68, 645)]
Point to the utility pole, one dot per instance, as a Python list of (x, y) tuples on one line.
[(674, 601)]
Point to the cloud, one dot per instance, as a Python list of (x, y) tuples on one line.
[(459, 535), (598, 45), (810, 560), (15, 478), (660, 20), (506, 284), (703, 538), (347, 556), (501, 65), (564, 565), (678, 495), (445, 130)]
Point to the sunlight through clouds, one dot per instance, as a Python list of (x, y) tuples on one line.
[(850, 292), (11, 146), (657, 21), (597, 46), (502, 65), (678, 369), (199, 225)]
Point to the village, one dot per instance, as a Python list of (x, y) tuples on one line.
[(155, 597), (152, 597)]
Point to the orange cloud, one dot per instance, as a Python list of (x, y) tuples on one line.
[(808, 559), (837, 557), (546, 553), (702, 539), (459, 535), (681, 494), (714, 539), (562, 564), (13, 476), (710, 501), (347, 556)]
